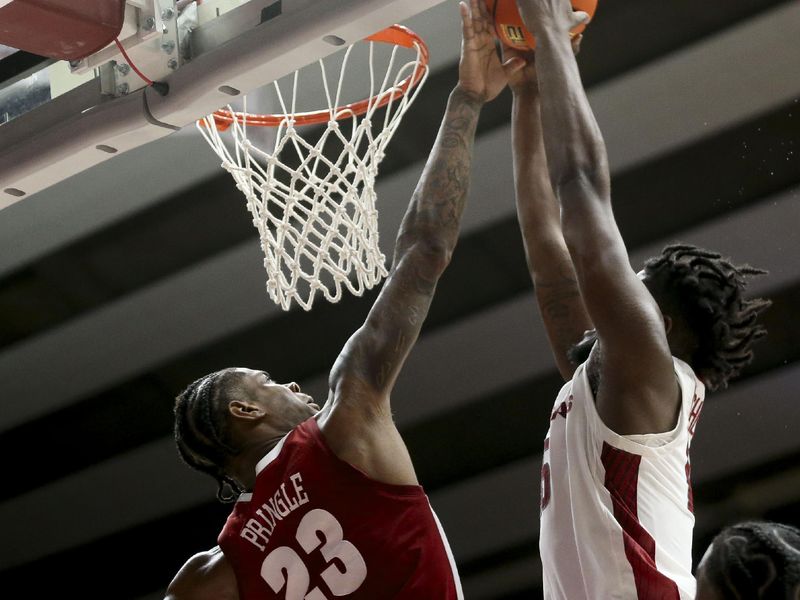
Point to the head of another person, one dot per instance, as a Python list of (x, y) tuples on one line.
[(754, 561), (224, 414), (710, 324)]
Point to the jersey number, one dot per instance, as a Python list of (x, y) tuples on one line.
[(318, 529)]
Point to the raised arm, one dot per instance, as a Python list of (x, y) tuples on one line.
[(371, 360), (638, 391), (554, 279)]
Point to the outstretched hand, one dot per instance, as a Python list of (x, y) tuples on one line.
[(524, 78), (550, 14), (480, 72)]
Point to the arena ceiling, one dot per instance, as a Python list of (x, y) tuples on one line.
[(124, 283)]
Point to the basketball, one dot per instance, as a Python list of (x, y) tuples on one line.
[(512, 32)]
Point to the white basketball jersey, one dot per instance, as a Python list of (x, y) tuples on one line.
[(616, 511)]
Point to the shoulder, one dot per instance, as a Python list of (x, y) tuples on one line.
[(205, 576)]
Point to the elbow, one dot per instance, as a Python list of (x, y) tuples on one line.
[(433, 254), (587, 223), (583, 165), (593, 255), (580, 180), (426, 253)]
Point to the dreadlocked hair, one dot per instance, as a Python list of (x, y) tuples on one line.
[(709, 290), (756, 560), (201, 430)]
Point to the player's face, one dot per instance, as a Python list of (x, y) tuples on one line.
[(285, 406)]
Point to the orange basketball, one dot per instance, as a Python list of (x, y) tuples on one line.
[(513, 33)]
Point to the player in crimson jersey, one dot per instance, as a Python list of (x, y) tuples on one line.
[(616, 505), (328, 501)]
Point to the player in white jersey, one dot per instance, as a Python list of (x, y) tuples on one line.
[(616, 505)]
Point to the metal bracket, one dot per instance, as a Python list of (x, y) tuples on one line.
[(150, 36)]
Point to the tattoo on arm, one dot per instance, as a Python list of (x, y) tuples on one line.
[(557, 299), (564, 316), (428, 235), (442, 191), (557, 292)]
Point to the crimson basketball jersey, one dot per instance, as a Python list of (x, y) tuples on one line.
[(314, 528), (616, 511)]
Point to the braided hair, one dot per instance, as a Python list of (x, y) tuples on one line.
[(707, 290), (756, 560), (202, 433)]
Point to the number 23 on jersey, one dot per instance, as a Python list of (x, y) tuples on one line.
[(318, 531)]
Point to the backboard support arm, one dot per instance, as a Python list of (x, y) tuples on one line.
[(231, 56)]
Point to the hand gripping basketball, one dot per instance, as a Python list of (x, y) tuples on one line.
[(480, 72), (510, 26)]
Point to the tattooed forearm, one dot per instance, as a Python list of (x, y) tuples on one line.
[(428, 235), (442, 191), (453, 131)]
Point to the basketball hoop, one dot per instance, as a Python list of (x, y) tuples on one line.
[(316, 217)]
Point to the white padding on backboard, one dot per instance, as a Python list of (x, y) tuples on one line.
[(272, 50), (39, 150)]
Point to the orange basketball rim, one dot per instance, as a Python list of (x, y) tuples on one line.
[(397, 35)]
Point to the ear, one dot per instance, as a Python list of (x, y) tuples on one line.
[(242, 409)]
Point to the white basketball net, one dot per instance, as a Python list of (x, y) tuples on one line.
[(316, 217)]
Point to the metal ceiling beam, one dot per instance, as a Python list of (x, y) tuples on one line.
[(40, 152), (117, 342)]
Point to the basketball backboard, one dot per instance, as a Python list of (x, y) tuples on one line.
[(58, 118)]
